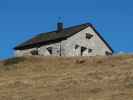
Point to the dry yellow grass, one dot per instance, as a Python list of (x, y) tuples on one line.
[(58, 78)]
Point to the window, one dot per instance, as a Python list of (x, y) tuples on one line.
[(76, 46), (108, 53), (89, 50), (83, 49), (49, 50), (89, 36), (34, 52)]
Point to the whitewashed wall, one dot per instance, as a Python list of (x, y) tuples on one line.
[(24, 52), (55, 50), (95, 43)]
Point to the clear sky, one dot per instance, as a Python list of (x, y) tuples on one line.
[(22, 19)]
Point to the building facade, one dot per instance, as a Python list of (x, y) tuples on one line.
[(79, 40)]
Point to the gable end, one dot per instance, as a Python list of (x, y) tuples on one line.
[(102, 38)]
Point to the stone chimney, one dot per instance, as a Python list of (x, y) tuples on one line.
[(59, 26)]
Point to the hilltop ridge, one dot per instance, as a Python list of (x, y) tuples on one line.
[(72, 78)]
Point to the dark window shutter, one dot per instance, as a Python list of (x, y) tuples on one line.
[(76, 46), (108, 53), (89, 36), (34, 52), (49, 50), (89, 50)]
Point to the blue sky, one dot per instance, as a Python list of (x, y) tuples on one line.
[(22, 19)]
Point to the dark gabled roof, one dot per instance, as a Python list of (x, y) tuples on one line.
[(44, 38), (56, 36)]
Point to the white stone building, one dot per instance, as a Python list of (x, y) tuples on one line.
[(79, 40)]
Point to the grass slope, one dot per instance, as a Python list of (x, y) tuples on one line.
[(58, 78)]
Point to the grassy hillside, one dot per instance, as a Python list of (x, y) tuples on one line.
[(56, 78)]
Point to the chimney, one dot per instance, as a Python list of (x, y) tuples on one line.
[(59, 26)]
